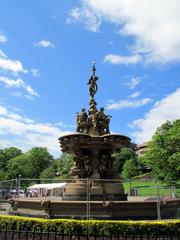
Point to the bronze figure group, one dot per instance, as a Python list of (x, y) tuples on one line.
[(94, 122)]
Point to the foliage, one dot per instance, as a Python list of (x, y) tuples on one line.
[(173, 168), (143, 166), (40, 159), (130, 169), (163, 154), (2, 175), (92, 227), (28, 165), (64, 164), (48, 173), (2, 159), (121, 157), (6, 154), (20, 166)]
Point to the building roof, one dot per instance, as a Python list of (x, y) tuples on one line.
[(47, 186)]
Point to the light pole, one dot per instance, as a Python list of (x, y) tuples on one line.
[(19, 184), (158, 202)]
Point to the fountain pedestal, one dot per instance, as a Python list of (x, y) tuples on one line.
[(93, 160)]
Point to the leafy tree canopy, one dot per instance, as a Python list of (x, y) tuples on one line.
[(121, 157), (20, 166), (49, 173), (64, 165), (40, 158), (6, 154), (2, 175), (130, 169), (164, 152)]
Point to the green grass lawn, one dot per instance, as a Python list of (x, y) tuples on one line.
[(149, 188)]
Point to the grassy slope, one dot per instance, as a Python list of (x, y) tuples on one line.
[(149, 188)]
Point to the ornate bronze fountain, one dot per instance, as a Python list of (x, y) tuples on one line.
[(93, 146)]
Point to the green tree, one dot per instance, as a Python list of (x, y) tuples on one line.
[(40, 159), (130, 169), (173, 168), (49, 173), (64, 165), (3, 161), (163, 154), (20, 165), (143, 166), (2, 175), (6, 154), (121, 157), (11, 152)]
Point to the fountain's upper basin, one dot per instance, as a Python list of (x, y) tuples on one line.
[(81, 140)]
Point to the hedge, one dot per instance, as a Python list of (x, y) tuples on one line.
[(91, 227)]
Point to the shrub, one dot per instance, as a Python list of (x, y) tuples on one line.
[(91, 227)]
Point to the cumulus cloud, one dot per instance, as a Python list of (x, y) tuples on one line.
[(117, 59), (166, 109), (154, 25), (18, 83), (44, 44), (128, 104), (25, 133), (14, 66), (3, 38)]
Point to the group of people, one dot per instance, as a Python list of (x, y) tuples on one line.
[(31, 193)]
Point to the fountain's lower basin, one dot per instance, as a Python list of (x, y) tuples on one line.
[(137, 208)]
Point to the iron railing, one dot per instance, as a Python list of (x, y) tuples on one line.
[(23, 234), (135, 189)]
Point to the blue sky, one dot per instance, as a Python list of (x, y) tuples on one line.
[(46, 54)]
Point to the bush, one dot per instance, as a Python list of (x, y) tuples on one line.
[(91, 227)]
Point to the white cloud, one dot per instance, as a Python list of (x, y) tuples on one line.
[(117, 59), (154, 25), (25, 133), (9, 113), (166, 109), (9, 65), (75, 13), (18, 83), (133, 82), (128, 104), (135, 95), (90, 20), (3, 38), (44, 44), (14, 66)]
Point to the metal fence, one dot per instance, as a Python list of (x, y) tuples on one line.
[(55, 235), (137, 191)]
